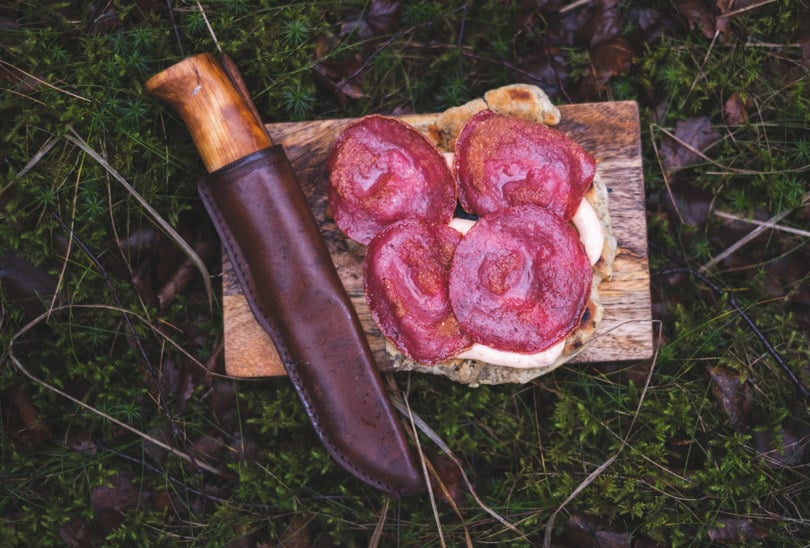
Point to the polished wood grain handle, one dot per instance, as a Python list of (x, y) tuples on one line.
[(222, 121)]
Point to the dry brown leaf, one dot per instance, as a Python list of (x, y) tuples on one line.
[(585, 530), (6, 23), (608, 59), (451, 480), (383, 16), (693, 204), (30, 287), (226, 406), (380, 17), (600, 24), (80, 441), (142, 283), (162, 501), (722, 26), (734, 111), (77, 533), (734, 395), (787, 277), (563, 32), (207, 449), (697, 14), (526, 18), (110, 502), (21, 418), (548, 69), (176, 379), (646, 18), (102, 18), (789, 449), (697, 133), (297, 533), (242, 449), (341, 76), (737, 531)]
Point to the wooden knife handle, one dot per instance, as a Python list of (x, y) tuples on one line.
[(222, 121)]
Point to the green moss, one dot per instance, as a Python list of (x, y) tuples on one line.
[(526, 448)]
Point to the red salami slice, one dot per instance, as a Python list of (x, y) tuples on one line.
[(382, 170), (503, 161), (520, 279), (406, 273)]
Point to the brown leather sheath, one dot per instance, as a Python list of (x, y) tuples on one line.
[(294, 291)]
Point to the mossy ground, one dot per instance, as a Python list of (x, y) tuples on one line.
[(696, 465)]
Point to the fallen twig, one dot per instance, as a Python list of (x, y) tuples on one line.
[(43, 82), (767, 224), (74, 138), (748, 8), (208, 26), (601, 468), (750, 236), (727, 169), (435, 438), (374, 542), (44, 150), (423, 461), (162, 401), (665, 176), (732, 303), (20, 367), (574, 5)]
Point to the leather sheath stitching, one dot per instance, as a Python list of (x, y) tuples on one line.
[(245, 281)]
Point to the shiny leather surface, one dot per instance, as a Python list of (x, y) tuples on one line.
[(292, 287)]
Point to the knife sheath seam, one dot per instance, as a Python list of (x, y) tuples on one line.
[(228, 213)]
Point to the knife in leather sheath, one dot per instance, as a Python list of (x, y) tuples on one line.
[(287, 275)]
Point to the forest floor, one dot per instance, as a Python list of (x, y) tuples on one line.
[(119, 425)]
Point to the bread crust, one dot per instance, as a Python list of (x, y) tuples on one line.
[(517, 100)]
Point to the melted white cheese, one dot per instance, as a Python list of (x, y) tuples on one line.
[(590, 230), (593, 240), (461, 225), (483, 353)]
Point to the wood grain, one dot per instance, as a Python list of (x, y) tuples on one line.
[(610, 131), (210, 98)]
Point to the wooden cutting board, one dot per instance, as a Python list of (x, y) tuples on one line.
[(610, 131)]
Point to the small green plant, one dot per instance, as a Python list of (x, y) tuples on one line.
[(298, 101)]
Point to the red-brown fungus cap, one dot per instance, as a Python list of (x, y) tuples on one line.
[(520, 279), (382, 170), (503, 161), (405, 274)]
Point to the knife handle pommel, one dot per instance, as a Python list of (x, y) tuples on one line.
[(222, 121)]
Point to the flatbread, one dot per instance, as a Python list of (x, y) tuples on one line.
[(523, 101), (530, 103), (474, 372), (527, 102)]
